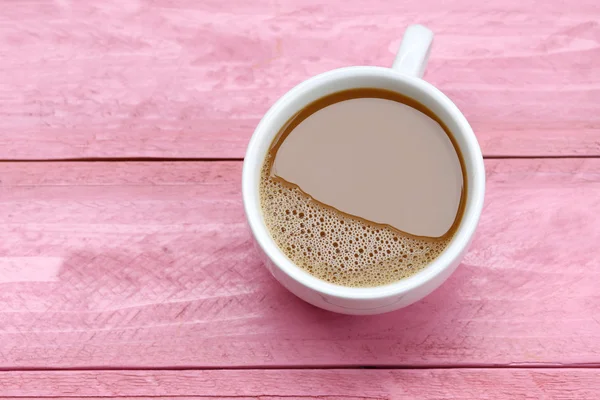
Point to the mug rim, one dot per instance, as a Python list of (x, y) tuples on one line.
[(459, 242)]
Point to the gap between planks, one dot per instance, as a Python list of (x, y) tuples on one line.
[(236, 159), (516, 366)]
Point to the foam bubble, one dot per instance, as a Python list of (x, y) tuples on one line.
[(338, 248)]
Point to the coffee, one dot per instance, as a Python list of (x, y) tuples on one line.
[(363, 187)]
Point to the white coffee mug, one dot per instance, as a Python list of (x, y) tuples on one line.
[(404, 77)]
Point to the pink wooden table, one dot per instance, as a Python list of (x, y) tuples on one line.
[(126, 270)]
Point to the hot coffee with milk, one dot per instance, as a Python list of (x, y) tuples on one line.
[(363, 188)]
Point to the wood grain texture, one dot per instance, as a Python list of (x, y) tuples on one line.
[(182, 78), (467, 384), (150, 265)]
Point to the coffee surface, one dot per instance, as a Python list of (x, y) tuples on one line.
[(362, 188)]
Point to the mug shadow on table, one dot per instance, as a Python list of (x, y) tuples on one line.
[(227, 298), (123, 278), (437, 309)]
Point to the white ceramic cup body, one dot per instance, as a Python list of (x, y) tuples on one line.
[(403, 78)]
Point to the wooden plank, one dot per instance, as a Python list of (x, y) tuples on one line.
[(480, 384), (151, 265), (182, 78)]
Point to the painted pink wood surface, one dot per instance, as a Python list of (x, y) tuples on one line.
[(186, 78), (467, 384), (150, 265)]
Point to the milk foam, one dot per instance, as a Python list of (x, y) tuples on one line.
[(336, 247)]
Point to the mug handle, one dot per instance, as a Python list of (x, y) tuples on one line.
[(414, 51)]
